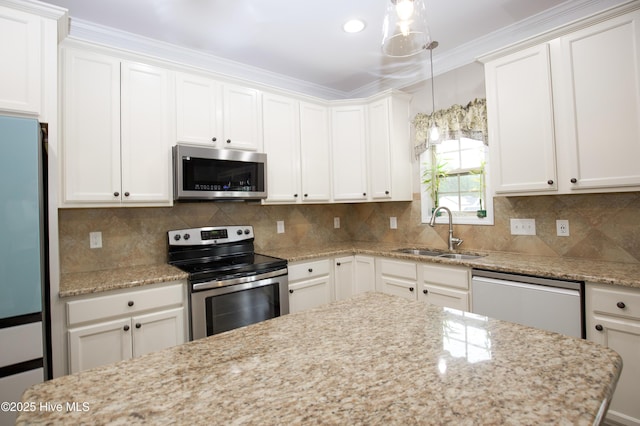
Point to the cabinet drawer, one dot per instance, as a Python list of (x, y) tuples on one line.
[(395, 268), (116, 305), (446, 276), (306, 270), (616, 301)]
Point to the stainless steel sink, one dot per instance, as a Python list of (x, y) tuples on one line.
[(421, 252), (460, 256)]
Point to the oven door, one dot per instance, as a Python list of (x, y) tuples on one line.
[(220, 306)]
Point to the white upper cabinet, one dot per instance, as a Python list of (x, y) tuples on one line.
[(116, 133), (389, 148), (521, 133), (281, 139), (21, 54), (315, 153), (217, 114), (198, 110), (571, 102), (349, 153)]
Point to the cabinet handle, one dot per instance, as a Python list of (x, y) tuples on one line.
[(213, 139), (310, 270), (138, 325), (599, 327), (291, 291), (621, 305), (228, 140), (126, 194), (130, 303), (125, 328), (425, 291), (410, 288), (116, 194), (550, 182), (574, 180)]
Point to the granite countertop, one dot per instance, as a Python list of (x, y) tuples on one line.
[(372, 359), (613, 273)]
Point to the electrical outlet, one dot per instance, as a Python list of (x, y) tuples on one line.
[(336, 222), (562, 228), (523, 226), (95, 240), (393, 222), (280, 226)]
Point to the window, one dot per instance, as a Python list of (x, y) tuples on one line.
[(454, 175)]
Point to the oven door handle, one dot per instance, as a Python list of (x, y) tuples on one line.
[(241, 280)]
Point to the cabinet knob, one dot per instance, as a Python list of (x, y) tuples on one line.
[(130, 303), (410, 288), (126, 194), (386, 192), (310, 270), (621, 305), (116, 194), (550, 182), (574, 180), (306, 195), (599, 327), (338, 263), (138, 325), (425, 291), (125, 328), (364, 194), (228, 140), (290, 291), (213, 139), (295, 195)]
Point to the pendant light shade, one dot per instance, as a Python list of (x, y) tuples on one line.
[(404, 30)]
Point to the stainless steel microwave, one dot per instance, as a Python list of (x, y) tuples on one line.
[(203, 173)]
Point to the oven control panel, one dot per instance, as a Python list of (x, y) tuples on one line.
[(210, 235)]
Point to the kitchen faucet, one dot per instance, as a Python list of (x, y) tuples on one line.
[(452, 239)]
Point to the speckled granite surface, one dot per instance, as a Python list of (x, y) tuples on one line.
[(623, 274), (374, 359)]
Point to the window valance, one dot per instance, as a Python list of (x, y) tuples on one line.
[(453, 123)]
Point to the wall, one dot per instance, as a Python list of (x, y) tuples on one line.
[(602, 226)]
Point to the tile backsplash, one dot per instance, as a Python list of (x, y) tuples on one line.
[(602, 227)]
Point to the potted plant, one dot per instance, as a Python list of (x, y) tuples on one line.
[(432, 177), (481, 213)]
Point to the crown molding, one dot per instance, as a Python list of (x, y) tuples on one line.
[(44, 10)]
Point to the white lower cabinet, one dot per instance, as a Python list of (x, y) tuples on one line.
[(353, 275), (310, 284), (107, 329), (397, 277), (443, 285), (613, 320)]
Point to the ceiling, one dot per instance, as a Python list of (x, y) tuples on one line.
[(300, 45)]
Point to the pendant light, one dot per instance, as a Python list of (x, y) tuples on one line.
[(404, 30), (434, 133)]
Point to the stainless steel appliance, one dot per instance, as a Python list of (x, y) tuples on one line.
[(230, 285), (202, 173), (24, 290), (544, 303)]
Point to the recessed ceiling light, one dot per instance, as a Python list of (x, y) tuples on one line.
[(354, 26)]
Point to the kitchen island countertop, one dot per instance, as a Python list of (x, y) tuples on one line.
[(372, 359)]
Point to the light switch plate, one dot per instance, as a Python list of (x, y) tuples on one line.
[(280, 226), (393, 222), (523, 226), (336, 222)]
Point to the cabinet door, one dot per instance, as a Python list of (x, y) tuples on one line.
[(99, 344), (365, 274), (349, 153), (398, 287), (379, 150), (344, 277), (146, 134), (315, 152), (601, 66), (521, 126), (197, 110), (308, 294), (158, 330), (241, 118), (20, 73), (445, 297), (91, 128), (623, 336), (281, 144)]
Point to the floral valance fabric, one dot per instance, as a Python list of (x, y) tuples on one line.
[(453, 123)]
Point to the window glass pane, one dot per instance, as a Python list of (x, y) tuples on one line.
[(470, 183), (471, 159), (469, 201), (449, 184)]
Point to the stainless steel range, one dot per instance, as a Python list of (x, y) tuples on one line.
[(230, 285)]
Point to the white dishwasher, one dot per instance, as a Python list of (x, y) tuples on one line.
[(549, 304)]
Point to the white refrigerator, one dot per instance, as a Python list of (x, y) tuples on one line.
[(24, 324)]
